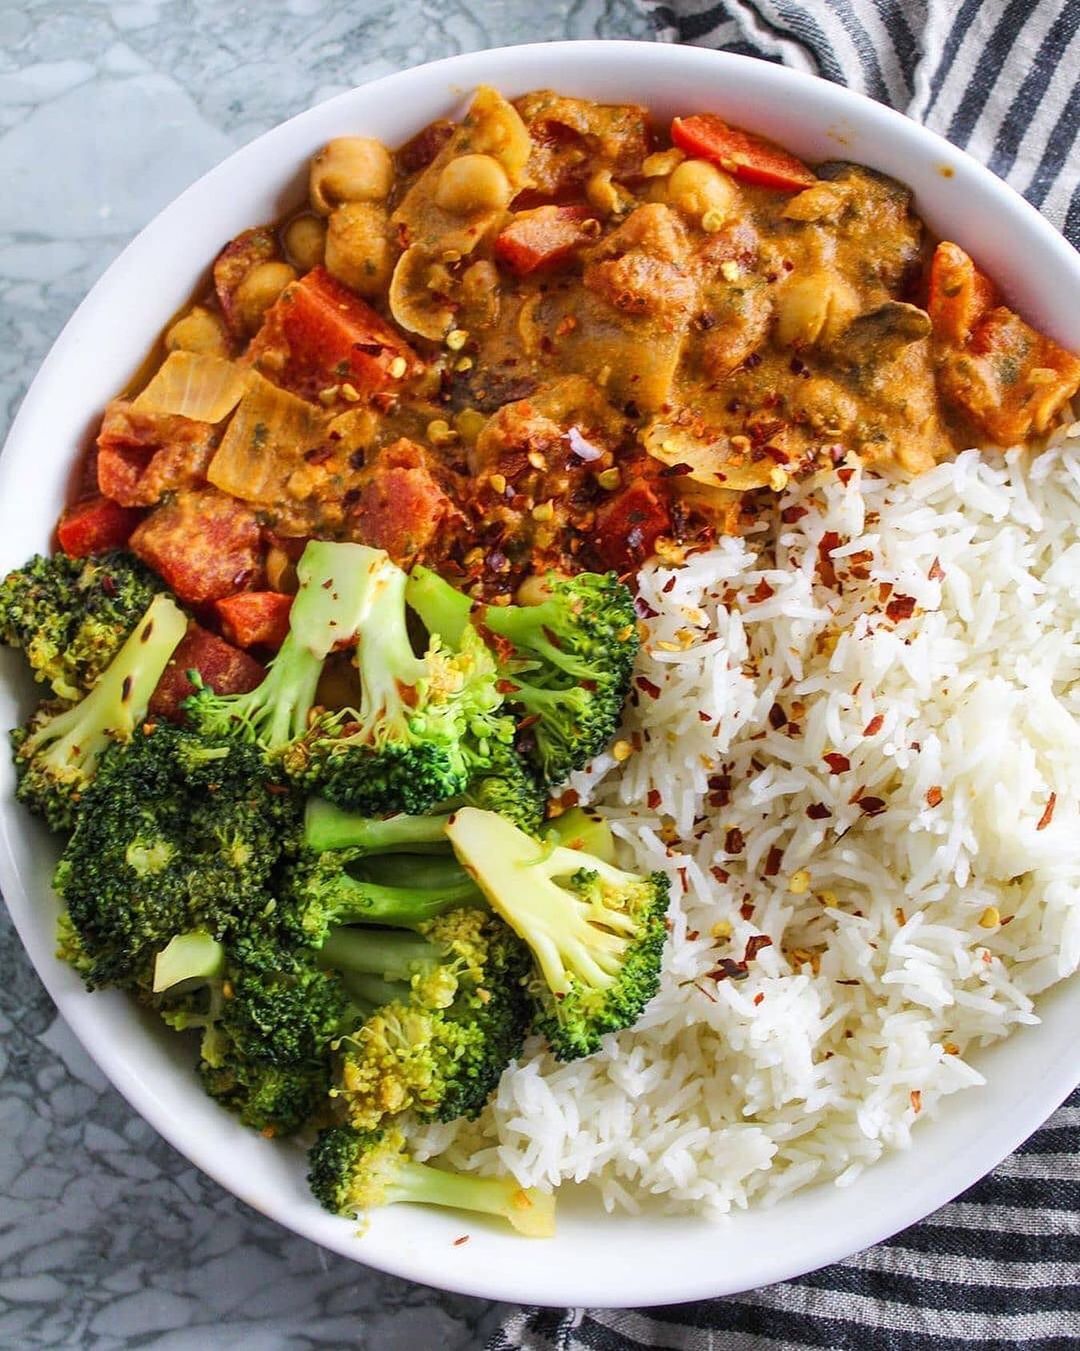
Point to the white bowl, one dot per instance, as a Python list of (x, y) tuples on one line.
[(596, 1259)]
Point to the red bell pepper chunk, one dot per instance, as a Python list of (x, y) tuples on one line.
[(255, 618), (319, 335), (628, 526), (95, 525), (224, 668), (542, 237), (959, 294), (740, 153)]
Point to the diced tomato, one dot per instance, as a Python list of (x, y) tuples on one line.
[(234, 262), (542, 237), (318, 335), (959, 294), (628, 526), (204, 544), (1009, 380), (142, 456), (255, 618), (97, 524), (223, 667), (402, 506), (741, 153)]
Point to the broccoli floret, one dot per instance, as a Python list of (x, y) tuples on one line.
[(70, 616), (276, 1100), (438, 1048), (326, 613), (596, 933), (57, 757), (174, 834), (353, 1171), (425, 726), (565, 663), (321, 892)]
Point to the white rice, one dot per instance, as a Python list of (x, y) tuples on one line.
[(900, 940)]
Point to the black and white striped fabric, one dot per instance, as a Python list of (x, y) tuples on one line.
[(999, 1267)]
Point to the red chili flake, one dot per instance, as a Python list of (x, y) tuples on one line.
[(874, 726), (773, 861), (570, 798), (761, 592), (705, 717), (746, 910), (794, 729), (829, 541), (845, 475), (464, 1238), (900, 607), (847, 982), (777, 717), (839, 764), (1048, 812), (693, 935), (669, 585), (721, 874), (936, 571), (734, 841), (934, 796), (646, 685), (759, 997), (682, 879), (729, 969), (754, 944), (792, 514), (884, 591), (871, 806), (653, 799), (817, 811), (916, 1100)]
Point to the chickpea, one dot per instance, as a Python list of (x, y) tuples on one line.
[(260, 287), (813, 308), (350, 169), (358, 248), (198, 331), (699, 188), (305, 241), (606, 197), (473, 183)]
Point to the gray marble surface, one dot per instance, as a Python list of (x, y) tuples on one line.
[(108, 1238)]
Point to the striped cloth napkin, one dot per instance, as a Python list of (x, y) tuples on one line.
[(1000, 1266)]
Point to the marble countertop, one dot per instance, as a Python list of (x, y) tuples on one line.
[(108, 1238)]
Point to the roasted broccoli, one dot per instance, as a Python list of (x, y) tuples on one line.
[(565, 663), (174, 834), (426, 726), (70, 616), (354, 1171), (326, 613), (457, 1017), (596, 933), (57, 756), (276, 1100), (319, 892)]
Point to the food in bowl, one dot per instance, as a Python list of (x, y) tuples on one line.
[(474, 385)]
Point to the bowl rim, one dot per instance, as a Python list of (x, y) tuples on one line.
[(402, 1257)]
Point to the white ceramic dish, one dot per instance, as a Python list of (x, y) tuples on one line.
[(596, 1259)]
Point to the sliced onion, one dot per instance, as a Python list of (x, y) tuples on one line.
[(584, 450), (194, 385), (265, 443)]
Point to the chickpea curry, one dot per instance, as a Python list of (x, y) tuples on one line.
[(552, 336)]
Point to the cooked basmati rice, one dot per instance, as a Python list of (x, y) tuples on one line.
[(879, 773)]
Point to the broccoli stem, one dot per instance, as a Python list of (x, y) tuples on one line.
[(372, 992), (582, 830), (79, 736), (328, 827), (393, 955), (531, 1213), (388, 664), (194, 957), (415, 871), (443, 610), (357, 902)]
